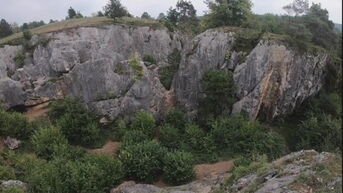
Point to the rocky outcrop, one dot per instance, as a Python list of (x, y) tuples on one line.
[(303, 171), (275, 79), (272, 81), (91, 63)]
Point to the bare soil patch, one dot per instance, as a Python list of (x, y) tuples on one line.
[(212, 170), (37, 111), (110, 148)]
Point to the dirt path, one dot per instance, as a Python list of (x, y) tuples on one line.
[(110, 148), (211, 170), (37, 111)]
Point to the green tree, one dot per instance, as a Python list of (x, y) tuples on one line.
[(144, 122), (143, 161), (45, 141), (5, 28), (297, 7), (219, 90), (114, 9), (77, 123), (178, 167), (71, 13), (146, 15), (227, 12)]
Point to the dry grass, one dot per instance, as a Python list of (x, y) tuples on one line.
[(82, 22)]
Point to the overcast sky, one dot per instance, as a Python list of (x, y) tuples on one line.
[(21, 11)]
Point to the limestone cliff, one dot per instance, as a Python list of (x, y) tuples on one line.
[(91, 63)]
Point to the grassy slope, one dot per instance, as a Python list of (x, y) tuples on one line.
[(82, 22)]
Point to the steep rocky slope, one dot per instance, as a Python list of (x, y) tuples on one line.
[(91, 63)]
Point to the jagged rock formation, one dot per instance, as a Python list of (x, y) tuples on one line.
[(91, 63), (303, 171)]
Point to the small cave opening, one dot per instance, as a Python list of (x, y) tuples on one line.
[(19, 108)]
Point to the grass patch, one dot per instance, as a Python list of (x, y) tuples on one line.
[(14, 39), (135, 63)]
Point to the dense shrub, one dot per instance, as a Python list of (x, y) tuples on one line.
[(143, 161), (170, 136), (135, 63), (144, 122), (19, 59), (6, 173), (133, 137), (176, 118), (79, 125), (89, 175), (149, 59), (240, 136), (199, 143), (167, 73), (219, 92), (178, 167), (11, 189), (46, 141), (113, 171), (14, 124), (322, 133)]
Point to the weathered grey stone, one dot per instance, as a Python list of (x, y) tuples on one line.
[(91, 63), (12, 143), (16, 183), (275, 79)]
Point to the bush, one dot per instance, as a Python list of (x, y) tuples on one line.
[(113, 171), (199, 143), (19, 59), (241, 136), (322, 133), (93, 174), (178, 168), (134, 137), (7, 173), (170, 136), (79, 125), (149, 59), (144, 122), (15, 125), (46, 141), (167, 73), (27, 35), (176, 118), (135, 63), (143, 161), (219, 89), (12, 189)]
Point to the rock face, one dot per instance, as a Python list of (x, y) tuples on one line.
[(304, 171), (92, 64), (274, 80)]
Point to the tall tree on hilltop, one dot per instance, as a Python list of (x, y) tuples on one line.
[(5, 28), (146, 15), (71, 13), (227, 12), (115, 9), (297, 7)]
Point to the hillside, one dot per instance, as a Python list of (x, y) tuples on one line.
[(229, 102)]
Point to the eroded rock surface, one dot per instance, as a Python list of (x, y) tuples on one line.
[(303, 171), (91, 63)]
